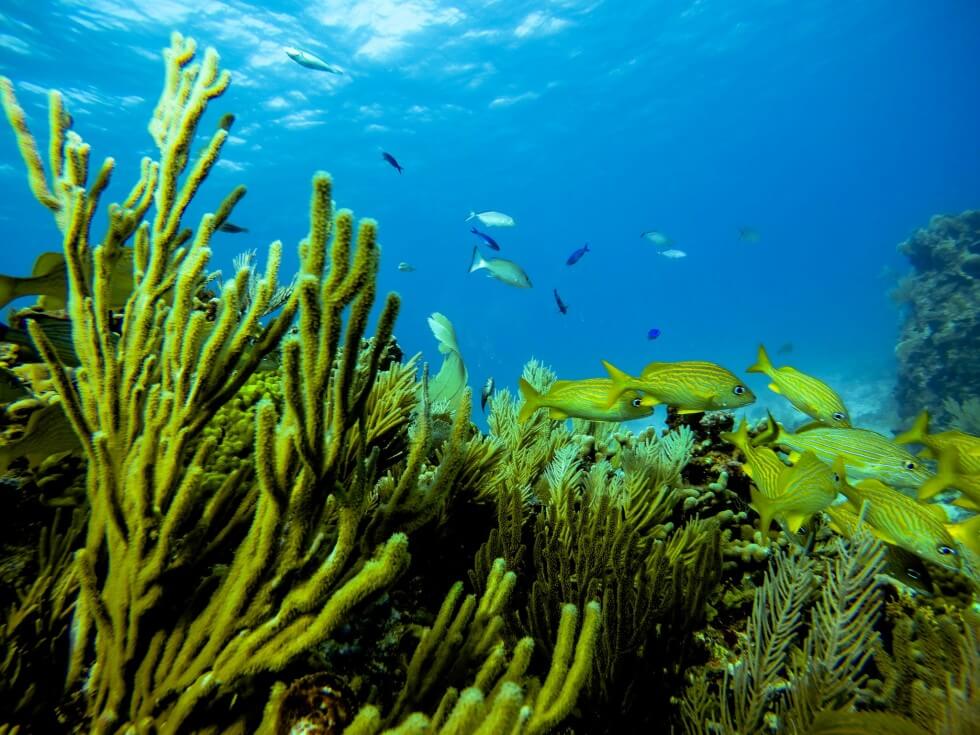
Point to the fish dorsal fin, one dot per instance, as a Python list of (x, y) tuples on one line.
[(652, 367), (47, 262), (809, 426)]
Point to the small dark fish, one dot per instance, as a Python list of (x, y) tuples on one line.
[(491, 243), (391, 159), (785, 348), (486, 394), (562, 306), (232, 228), (577, 255), (653, 333)]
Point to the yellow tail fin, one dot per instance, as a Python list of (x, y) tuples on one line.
[(532, 400), (946, 475), (620, 383), (918, 431), (967, 533), (762, 363)]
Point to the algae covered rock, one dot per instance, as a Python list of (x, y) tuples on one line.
[(937, 350)]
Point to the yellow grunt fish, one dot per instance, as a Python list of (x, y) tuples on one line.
[(583, 399), (49, 279), (761, 464), (48, 432), (810, 395), (967, 446), (806, 488), (690, 387), (900, 520), (865, 453), (901, 565)]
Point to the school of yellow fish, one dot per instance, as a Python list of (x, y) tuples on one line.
[(796, 475), (801, 475)]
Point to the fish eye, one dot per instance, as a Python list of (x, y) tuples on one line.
[(913, 573), (838, 416), (946, 550), (910, 465), (636, 402), (738, 390), (836, 477), (803, 531)]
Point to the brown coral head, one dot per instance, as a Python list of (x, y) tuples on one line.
[(317, 704)]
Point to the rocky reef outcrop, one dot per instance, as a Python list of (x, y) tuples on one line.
[(938, 349)]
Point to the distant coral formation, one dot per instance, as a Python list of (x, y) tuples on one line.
[(938, 359)]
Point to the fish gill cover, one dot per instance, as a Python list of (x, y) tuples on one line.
[(236, 503)]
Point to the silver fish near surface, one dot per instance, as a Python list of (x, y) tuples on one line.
[(310, 61), (673, 254), (503, 270), (493, 219), (657, 238), (406, 267)]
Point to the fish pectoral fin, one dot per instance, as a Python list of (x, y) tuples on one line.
[(556, 414), (775, 388)]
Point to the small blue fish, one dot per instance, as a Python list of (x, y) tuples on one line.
[(562, 306), (577, 255), (491, 243), (653, 333), (391, 159)]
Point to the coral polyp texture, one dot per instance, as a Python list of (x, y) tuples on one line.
[(937, 350), (239, 510)]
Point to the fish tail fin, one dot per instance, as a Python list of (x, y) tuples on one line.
[(967, 533), (771, 434), (620, 383), (762, 363), (477, 261), (532, 400), (587, 248), (946, 475), (739, 437), (472, 215), (8, 290), (918, 431), (473, 229)]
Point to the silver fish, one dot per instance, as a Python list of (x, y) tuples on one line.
[(493, 219), (657, 238), (310, 61), (503, 270), (406, 267), (673, 253), (486, 394)]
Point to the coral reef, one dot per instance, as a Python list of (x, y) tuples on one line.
[(268, 506), (938, 360)]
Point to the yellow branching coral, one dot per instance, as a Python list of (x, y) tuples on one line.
[(141, 403)]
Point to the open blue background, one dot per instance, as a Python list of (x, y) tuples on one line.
[(834, 129)]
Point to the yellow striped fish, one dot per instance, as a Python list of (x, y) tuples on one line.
[(761, 463), (583, 399), (690, 387), (806, 488), (967, 446), (900, 564), (900, 520), (865, 453), (810, 395)]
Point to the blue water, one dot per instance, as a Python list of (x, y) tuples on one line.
[(834, 129)]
